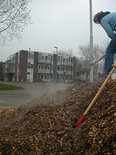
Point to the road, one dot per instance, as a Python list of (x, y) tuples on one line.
[(31, 91)]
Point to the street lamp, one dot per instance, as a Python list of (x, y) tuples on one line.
[(56, 49), (55, 61), (91, 40)]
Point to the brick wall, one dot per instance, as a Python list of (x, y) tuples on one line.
[(35, 68), (23, 66)]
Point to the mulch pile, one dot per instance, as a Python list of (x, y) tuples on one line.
[(47, 126)]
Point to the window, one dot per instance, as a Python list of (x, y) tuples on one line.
[(46, 57), (42, 57), (31, 65), (30, 55)]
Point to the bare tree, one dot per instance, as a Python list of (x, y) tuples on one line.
[(86, 55), (14, 16), (85, 51)]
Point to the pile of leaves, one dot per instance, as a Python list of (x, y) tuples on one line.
[(47, 126)]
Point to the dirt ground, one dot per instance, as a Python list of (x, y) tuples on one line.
[(31, 91)]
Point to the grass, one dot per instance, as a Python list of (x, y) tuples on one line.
[(4, 86)]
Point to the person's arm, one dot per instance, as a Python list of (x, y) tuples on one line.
[(107, 28)]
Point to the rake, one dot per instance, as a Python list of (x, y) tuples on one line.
[(95, 98)]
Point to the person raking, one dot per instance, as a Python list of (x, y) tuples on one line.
[(108, 21)]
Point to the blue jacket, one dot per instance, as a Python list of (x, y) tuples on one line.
[(108, 22)]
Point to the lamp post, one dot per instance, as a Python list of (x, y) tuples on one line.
[(56, 49), (91, 39), (55, 61)]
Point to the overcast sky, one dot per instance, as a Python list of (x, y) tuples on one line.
[(61, 23)]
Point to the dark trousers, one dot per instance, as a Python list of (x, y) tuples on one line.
[(109, 59)]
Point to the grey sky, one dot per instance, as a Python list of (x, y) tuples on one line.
[(61, 23)]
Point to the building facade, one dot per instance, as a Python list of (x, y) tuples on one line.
[(2, 65), (32, 66)]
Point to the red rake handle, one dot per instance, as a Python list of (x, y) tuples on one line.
[(80, 121)]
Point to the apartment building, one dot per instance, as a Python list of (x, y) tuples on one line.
[(33, 66)]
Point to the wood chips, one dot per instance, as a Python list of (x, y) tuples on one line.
[(47, 126)]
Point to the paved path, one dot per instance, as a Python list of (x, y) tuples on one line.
[(30, 91)]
